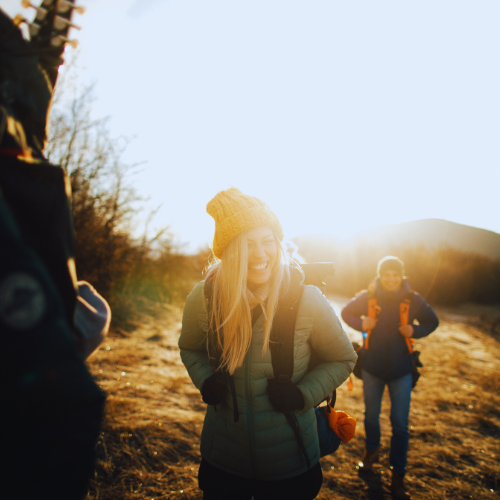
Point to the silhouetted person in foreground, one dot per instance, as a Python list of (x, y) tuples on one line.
[(248, 447), (386, 313), (51, 409)]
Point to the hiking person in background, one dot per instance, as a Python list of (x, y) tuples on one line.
[(386, 359), (248, 447)]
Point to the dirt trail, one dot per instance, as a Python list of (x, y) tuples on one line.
[(150, 445)]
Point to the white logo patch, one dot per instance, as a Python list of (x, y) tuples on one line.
[(22, 301)]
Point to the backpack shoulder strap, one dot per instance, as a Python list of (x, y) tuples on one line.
[(373, 308), (404, 308), (373, 311), (282, 333), (404, 316), (281, 345)]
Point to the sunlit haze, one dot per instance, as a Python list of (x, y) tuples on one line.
[(340, 115)]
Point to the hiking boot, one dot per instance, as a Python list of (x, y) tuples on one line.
[(398, 486), (369, 458)]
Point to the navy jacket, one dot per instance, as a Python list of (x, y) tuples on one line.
[(388, 357)]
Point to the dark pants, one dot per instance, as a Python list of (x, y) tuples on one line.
[(219, 485)]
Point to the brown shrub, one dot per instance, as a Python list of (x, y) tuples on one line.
[(133, 274)]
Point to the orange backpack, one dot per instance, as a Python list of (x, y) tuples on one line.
[(404, 317)]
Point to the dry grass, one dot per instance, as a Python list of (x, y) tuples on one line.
[(150, 445)]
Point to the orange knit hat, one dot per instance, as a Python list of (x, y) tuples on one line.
[(234, 213)]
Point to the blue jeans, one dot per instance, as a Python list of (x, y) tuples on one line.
[(328, 440), (400, 393)]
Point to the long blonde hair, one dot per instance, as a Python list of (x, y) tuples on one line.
[(230, 309)]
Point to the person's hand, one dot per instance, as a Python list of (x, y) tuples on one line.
[(406, 331), (369, 324), (214, 389), (284, 397)]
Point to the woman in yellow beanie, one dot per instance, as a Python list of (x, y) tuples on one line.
[(248, 447)]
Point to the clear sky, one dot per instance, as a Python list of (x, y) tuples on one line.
[(340, 115)]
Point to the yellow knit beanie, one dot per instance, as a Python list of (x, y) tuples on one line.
[(234, 213)]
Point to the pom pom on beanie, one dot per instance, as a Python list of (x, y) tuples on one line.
[(234, 213), (390, 263)]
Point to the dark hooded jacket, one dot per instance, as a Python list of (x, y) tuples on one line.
[(51, 407), (388, 357)]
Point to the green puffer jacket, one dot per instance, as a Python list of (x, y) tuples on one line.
[(262, 445)]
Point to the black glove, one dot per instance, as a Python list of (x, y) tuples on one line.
[(284, 397), (214, 389)]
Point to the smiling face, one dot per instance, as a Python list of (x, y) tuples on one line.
[(391, 281), (262, 255)]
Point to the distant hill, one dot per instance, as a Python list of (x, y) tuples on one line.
[(431, 233), (447, 263)]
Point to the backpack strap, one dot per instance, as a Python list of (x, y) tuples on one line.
[(373, 311), (281, 345), (282, 333), (294, 424), (404, 316)]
